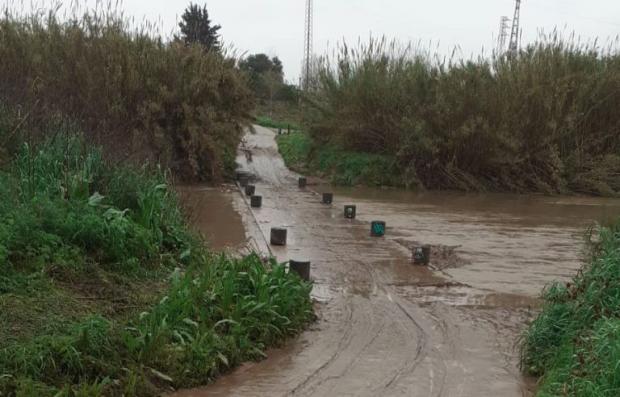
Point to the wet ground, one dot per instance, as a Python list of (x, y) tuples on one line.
[(390, 328)]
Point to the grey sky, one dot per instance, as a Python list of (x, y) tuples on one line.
[(276, 26)]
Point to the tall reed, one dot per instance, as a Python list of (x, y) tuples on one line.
[(543, 120), (139, 96)]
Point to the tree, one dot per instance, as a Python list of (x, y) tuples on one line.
[(265, 74), (261, 64), (196, 28)]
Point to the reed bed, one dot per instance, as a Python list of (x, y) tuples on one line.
[(543, 120), (140, 96)]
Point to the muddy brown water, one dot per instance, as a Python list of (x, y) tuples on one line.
[(387, 327), (213, 215)]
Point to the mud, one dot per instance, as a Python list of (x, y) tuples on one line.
[(387, 327)]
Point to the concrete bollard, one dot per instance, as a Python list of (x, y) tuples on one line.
[(377, 229), (256, 201), (301, 268), (250, 190), (328, 198), (241, 174), (244, 180), (422, 255), (350, 211), (303, 182), (278, 236)]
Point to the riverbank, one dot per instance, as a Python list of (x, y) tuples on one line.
[(104, 291), (574, 344), (339, 166)]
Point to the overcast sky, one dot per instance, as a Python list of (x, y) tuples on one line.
[(276, 26)]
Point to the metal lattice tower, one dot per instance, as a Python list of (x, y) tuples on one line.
[(306, 71), (516, 29), (503, 34)]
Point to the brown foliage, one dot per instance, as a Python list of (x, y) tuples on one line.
[(137, 96), (545, 120)]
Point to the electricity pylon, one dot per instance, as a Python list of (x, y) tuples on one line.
[(503, 34), (516, 29), (306, 72)]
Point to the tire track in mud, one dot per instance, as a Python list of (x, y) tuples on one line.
[(316, 380), (372, 339)]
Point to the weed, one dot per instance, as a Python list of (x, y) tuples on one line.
[(265, 121), (81, 238)]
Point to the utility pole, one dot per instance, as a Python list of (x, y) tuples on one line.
[(503, 34), (516, 29), (306, 72)]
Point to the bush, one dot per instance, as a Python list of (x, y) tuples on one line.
[(62, 201)]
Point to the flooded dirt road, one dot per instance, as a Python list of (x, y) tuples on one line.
[(387, 327)]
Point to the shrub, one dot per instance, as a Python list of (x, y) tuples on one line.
[(301, 153)]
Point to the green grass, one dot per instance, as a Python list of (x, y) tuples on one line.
[(574, 344), (215, 315), (342, 167), (265, 121), (103, 291)]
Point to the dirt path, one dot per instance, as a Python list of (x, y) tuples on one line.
[(386, 327)]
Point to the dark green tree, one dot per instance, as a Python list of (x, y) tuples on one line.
[(196, 27), (266, 74)]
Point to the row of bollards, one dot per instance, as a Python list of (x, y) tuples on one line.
[(244, 179), (421, 255), (288, 130), (278, 237), (278, 234)]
